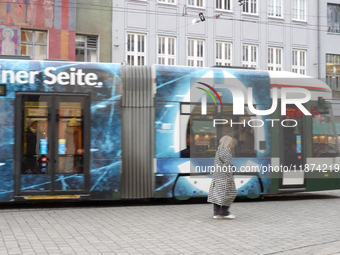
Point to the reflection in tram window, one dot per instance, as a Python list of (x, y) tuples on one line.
[(70, 141), (203, 138), (35, 143), (246, 140), (292, 137), (324, 143)]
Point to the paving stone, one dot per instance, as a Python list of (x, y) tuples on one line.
[(306, 225)]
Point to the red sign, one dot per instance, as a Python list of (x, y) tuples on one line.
[(293, 113)]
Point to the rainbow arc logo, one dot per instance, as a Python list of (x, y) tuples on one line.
[(209, 93)]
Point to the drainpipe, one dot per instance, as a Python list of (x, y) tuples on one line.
[(319, 66)]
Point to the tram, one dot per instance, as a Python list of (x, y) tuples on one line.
[(103, 131)]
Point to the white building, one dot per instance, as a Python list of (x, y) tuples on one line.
[(271, 35), (329, 38)]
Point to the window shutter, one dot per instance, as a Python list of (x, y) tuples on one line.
[(92, 41)]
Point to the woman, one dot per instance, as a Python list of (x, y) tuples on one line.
[(222, 190)]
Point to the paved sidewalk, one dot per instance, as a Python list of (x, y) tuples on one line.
[(293, 225)]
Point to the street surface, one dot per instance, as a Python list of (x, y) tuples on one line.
[(307, 223)]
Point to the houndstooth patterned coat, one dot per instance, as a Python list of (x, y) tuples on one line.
[(222, 189)]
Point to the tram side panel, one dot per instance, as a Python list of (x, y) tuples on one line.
[(6, 147), (306, 152), (100, 81), (105, 149), (322, 168), (173, 157)]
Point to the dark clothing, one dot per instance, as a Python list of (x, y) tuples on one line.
[(31, 142), (29, 163), (291, 160), (221, 210)]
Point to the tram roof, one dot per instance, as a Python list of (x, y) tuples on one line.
[(294, 80)]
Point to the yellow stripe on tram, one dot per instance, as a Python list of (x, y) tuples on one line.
[(52, 197)]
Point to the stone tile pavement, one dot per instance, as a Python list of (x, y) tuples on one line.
[(303, 224)]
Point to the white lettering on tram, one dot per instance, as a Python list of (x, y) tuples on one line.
[(72, 77), (252, 122), (239, 99)]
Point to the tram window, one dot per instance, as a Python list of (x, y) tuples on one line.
[(324, 144), (70, 138), (200, 133), (35, 133), (203, 138)]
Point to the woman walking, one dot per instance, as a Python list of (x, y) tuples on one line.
[(222, 191)]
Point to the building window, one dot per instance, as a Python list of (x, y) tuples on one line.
[(195, 52), (333, 71), (136, 52), (299, 61), (195, 3), (274, 59), (87, 48), (333, 18), (250, 55), (223, 53), (223, 5), (299, 9), (250, 6), (166, 50), (167, 1), (275, 8), (34, 44)]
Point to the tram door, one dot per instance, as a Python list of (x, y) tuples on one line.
[(52, 144), (292, 154)]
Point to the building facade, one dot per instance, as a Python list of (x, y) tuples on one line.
[(94, 30), (40, 29), (270, 35), (329, 36), (293, 35)]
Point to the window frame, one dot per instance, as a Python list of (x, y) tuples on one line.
[(275, 6), (275, 65), (195, 58), (331, 29), (85, 48), (167, 2), (222, 4), (298, 9), (167, 56), (33, 43), (195, 5), (298, 67), (247, 4), (135, 53), (247, 63), (223, 61), (333, 80)]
